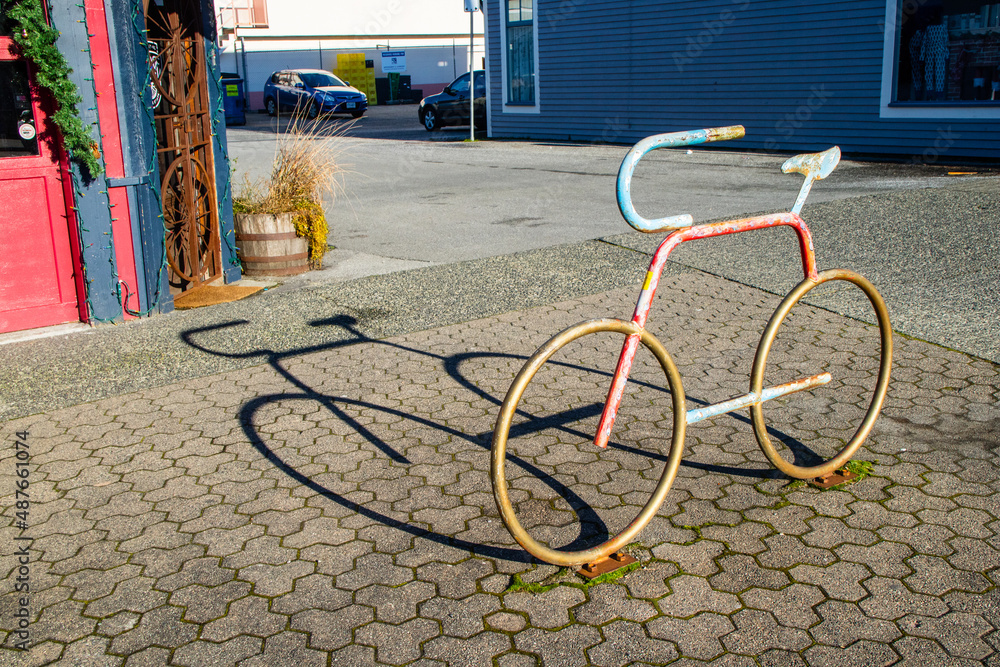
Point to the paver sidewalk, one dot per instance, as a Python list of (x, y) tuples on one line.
[(334, 508)]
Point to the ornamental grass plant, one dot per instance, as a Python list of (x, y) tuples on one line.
[(307, 170)]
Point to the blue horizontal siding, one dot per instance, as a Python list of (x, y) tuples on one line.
[(798, 74)]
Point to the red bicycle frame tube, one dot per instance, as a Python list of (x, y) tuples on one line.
[(653, 278)]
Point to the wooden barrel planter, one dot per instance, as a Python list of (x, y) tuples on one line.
[(267, 245)]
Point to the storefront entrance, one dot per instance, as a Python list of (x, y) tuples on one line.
[(40, 256), (184, 137)]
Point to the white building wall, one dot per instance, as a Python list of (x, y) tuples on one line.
[(430, 68)]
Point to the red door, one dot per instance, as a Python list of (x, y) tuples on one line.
[(38, 283)]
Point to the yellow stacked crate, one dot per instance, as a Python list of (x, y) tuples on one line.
[(351, 67), (341, 69), (370, 85)]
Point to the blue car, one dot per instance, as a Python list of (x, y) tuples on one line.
[(312, 92)]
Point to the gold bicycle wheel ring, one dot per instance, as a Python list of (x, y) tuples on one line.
[(881, 386), (503, 425)]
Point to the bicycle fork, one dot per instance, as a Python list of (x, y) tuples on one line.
[(631, 346)]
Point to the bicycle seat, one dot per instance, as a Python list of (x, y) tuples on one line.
[(814, 165)]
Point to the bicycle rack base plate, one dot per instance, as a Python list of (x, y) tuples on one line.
[(836, 477), (609, 564)]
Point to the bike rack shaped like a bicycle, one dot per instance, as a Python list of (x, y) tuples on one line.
[(814, 167)]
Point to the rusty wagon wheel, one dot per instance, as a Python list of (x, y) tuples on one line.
[(823, 411), (187, 218), (541, 419), (174, 87)]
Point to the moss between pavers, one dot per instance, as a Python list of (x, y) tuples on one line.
[(860, 468), (568, 577)]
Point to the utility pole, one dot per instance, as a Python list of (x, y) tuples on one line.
[(472, 6)]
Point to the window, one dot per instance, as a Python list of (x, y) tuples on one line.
[(520, 40), (17, 121), (320, 80), (460, 85), (6, 25), (946, 58)]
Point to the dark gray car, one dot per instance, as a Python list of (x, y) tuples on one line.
[(451, 106)]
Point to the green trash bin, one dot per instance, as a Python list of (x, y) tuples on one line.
[(394, 88)]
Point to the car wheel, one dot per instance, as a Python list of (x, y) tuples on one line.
[(313, 111), (358, 113), (431, 121), (271, 106)]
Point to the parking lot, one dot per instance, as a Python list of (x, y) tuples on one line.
[(398, 122)]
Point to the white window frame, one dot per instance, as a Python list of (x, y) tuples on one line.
[(891, 109), (535, 108)]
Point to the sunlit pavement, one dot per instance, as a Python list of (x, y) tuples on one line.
[(302, 477), (332, 505)]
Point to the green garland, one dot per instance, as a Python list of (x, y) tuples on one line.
[(37, 41)]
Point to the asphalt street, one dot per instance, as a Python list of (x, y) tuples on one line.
[(433, 197), (927, 235)]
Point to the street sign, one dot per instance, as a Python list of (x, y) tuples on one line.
[(472, 5), (393, 61)]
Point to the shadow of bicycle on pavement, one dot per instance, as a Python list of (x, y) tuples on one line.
[(593, 528)]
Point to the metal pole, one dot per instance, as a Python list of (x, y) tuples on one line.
[(246, 73), (472, 83)]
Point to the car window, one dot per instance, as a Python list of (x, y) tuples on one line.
[(276, 77), (460, 85), (285, 79), (480, 84), (293, 79), (321, 79)]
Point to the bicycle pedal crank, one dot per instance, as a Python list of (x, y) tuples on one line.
[(610, 564), (839, 476)]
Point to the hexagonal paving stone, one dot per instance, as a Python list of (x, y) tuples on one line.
[(234, 519)]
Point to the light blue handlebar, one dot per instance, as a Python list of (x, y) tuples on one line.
[(669, 140)]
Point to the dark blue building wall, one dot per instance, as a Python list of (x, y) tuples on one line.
[(799, 75), (129, 50)]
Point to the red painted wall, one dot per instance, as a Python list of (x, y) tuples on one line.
[(40, 279), (111, 146)]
